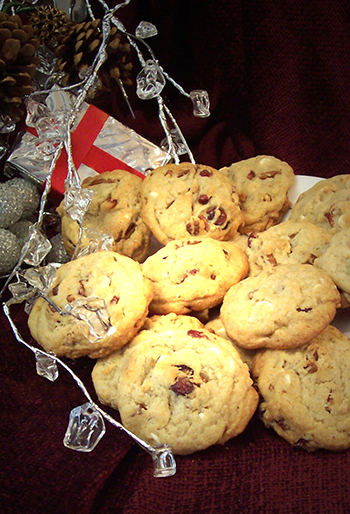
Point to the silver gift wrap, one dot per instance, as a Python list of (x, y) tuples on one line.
[(30, 159)]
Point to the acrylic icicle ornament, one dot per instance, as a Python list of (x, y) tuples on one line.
[(85, 429), (37, 246), (150, 81), (146, 29), (201, 103), (93, 312), (77, 201), (164, 462), (46, 366)]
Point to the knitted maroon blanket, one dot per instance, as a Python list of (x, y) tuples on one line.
[(278, 77)]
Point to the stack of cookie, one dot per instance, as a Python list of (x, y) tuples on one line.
[(299, 276), (230, 300)]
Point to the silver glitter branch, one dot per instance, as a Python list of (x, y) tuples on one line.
[(133, 39), (162, 456)]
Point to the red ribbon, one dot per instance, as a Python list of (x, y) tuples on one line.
[(84, 151)]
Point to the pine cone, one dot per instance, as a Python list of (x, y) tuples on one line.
[(18, 64), (78, 50), (51, 25)]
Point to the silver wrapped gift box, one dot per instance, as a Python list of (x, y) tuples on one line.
[(99, 143)]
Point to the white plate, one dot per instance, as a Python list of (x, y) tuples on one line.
[(301, 184)]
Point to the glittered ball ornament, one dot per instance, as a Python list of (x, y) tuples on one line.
[(28, 194), (21, 230), (10, 251), (11, 208)]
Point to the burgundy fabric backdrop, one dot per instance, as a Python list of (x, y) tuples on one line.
[(279, 82)]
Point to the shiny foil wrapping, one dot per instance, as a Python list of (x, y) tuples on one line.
[(115, 146)]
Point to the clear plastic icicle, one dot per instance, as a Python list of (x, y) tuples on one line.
[(163, 458)]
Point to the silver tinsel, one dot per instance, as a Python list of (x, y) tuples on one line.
[(10, 251)]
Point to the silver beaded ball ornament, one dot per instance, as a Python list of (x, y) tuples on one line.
[(28, 194), (11, 208), (10, 251)]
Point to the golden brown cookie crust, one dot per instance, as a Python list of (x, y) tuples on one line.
[(108, 276), (179, 384), (282, 307), (335, 260), (288, 242), (182, 200), (114, 211), (327, 204), (216, 325), (193, 274), (262, 183), (306, 391)]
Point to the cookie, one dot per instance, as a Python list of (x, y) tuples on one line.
[(286, 243), (262, 183), (182, 200), (326, 203), (281, 307), (179, 384), (306, 391), (114, 213), (335, 260), (193, 274), (216, 325), (109, 296)]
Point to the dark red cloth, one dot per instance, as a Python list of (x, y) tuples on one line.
[(279, 82), (277, 74)]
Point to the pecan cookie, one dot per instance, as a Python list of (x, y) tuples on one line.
[(335, 260), (179, 384), (262, 183), (326, 203), (193, 274), (103, 298), (306, 391), (114, 212), (217, 326), (286, 243), (281, 307), (181, 200)]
